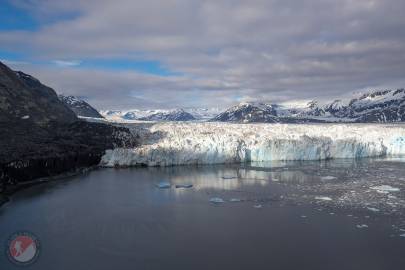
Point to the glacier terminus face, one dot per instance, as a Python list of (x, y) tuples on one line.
[(177, 143)]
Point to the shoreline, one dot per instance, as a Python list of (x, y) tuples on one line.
[(6, 195)]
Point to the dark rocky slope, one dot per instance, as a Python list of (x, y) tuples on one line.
[(42, 137)]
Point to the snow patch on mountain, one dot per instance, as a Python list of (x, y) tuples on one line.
[(79, 106)]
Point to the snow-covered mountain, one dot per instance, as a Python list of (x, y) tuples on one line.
[(249, 112), (80, 107), (373, 107), (186, 114), (174, 115)]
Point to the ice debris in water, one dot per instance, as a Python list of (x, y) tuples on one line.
[(329, 177), (217, 200), (275, 180), (258, 206), (184, 186), (385, 188), (229, 177), (323, 198), (402, 235), (373, 209), (362, 226), (235, 200), (25, 117), (163, 184)]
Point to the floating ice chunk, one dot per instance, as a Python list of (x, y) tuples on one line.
[(327, 178), (385, 188), (235, 200), (163, 184), (373, 209), (275, 180), (402, 235), (304, 216), (362, 226), (217, 200), (392, 197), (323, 198), (25, 117), (184, 186), (257, 206), (228, 177)]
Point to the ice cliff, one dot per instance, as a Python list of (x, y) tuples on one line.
[(166, 144)]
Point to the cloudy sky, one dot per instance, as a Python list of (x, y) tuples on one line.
[(180, 53)]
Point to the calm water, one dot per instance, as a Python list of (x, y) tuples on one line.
[(119, 219)]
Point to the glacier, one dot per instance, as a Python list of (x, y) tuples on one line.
[(179, 143)]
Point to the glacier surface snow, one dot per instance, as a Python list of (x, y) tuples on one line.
[(177, 143)]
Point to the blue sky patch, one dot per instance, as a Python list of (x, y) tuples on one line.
[(13, 18)]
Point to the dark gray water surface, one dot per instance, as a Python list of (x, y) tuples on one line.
[(119, 219)]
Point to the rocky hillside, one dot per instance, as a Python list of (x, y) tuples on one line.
[(42, 137), (22, 97), (80, 107)]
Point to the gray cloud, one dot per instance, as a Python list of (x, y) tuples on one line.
[(224, 50)]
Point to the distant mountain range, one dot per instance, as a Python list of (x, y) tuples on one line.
[(186, 114), (374, 107)]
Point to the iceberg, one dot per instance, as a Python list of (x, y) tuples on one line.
[(184, 186), (217, 200), (181, 143), (163, 185), (327, 178), (385, 189), (323, 198)]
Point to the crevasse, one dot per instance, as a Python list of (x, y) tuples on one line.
[(176, 143)]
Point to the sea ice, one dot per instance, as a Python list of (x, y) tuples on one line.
[(373, 209), (163, 184), (217, 200), (385, 188), (362, 226), (329, 177), (323, 198), (184, 186), (235, 200)]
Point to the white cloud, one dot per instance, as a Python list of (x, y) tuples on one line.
[(277, 50), (66, 63)]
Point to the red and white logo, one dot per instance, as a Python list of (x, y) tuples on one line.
[(23, 248)]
